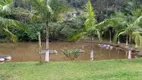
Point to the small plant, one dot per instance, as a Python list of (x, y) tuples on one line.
[(71, 53)]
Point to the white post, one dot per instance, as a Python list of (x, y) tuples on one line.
[(92, 55), (47, 45), (92, 52), (47, 56), (129, 54)]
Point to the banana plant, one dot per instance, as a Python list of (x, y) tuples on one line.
[(89, 23), (133, 31), (106, 25), (125, 25), (90, 27)]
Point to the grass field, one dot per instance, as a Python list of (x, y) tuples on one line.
[(80, 70)]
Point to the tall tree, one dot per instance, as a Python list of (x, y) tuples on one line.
[(90, 27)]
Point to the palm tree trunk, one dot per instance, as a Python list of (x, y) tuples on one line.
[(127, 40), (110, 36), (47, 44), (118, 42), (129, 54), (130, 40), (39, 39), (92, 51), (136, 46)]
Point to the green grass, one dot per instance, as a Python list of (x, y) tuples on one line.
[(90, 70)]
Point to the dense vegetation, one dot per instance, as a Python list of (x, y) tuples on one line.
[(118, 17), (90, 70)]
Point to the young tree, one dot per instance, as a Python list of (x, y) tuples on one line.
[(90, 27)]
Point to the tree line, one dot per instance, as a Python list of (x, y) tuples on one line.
[(65, 19)]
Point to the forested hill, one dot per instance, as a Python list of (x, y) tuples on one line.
[(105, 8)]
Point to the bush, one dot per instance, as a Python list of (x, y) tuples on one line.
[(71, 53)]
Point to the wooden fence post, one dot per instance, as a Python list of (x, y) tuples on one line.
[(39, 41)]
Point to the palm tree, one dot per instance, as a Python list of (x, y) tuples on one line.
[(46, 11), (130, 27), (108, 25), (89, 23), (133, 31), (90, 27), (123, 24)]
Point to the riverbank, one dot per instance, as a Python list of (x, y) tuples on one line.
[(77, 70)]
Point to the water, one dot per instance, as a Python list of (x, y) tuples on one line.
[(28, 51)]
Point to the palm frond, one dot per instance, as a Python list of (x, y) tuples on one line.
[(90, 15), (6, 6), (9, 23), (138, 20), (5, 2), (137, 38), (49, 7), (13, 23), (115, 37), (122, 32), (13, 37), (89, 7), (78, 35), (99, 35)]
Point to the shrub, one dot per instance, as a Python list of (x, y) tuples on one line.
[(71, 53)]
